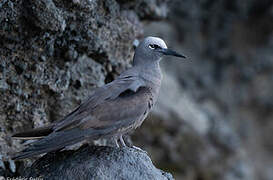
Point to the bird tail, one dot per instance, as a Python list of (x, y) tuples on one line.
[(37, 133), (55, 141)]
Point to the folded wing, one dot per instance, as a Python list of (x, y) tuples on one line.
[(100, 97), (110, 108)]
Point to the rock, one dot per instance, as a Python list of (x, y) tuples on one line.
[(51, 18), (3, 85), (147, 9), (97, 162), (53, 54), (214, 117), (2, 165), (216, 107)]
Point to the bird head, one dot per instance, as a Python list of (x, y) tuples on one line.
[(153, 49)]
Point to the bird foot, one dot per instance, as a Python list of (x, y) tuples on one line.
[(139, 149)]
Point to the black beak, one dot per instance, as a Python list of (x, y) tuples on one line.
[(170, 52)]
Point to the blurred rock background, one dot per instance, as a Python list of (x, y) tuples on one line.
[(215, 111)]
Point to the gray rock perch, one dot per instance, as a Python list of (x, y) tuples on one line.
[(112, 110), (96, 162)]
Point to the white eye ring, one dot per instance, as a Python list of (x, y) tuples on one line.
[(151, 46)]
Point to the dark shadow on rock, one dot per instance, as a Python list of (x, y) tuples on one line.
[(96, 162)]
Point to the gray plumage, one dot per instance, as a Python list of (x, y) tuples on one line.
[(112, 110)]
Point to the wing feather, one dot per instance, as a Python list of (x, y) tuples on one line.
[(105, 93)]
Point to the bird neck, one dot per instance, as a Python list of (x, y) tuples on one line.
[(150, 72)]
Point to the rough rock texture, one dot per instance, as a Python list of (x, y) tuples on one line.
[(214, 116), (97, 163), (52, 54), (215, 112), (147, 9)]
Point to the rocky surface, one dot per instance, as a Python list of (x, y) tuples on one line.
[(94, 162), (52, 54), (214, 115)]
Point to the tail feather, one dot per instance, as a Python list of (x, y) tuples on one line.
[(30, 152), (35, 133), (55, 141)]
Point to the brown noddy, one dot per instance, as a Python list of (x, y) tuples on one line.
[(112, 110)]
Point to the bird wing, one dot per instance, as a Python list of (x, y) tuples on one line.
[(123, 113), (126, 111), (107, 93)]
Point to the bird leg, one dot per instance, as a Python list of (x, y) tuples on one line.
[(116, 142), (122, 141)]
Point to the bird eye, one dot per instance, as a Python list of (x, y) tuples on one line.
[(153, 46)]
